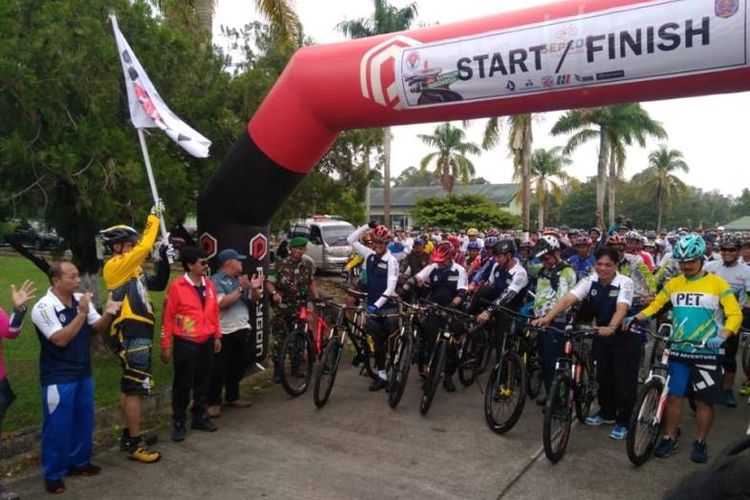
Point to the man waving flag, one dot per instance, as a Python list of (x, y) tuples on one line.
[(147, 108)]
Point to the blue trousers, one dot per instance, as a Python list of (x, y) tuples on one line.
[(68, 428)]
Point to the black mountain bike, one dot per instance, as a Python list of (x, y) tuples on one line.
[(439, 354), (573, 387), (505, 393), (400, 349)]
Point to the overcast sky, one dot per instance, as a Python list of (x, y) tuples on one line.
[(708, 130)]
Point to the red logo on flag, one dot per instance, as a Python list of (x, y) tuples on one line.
[(209, 245), (259, 246)]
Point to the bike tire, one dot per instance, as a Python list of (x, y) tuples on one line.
[(400, 371), (643, 429), (558, 417), (325, 373), (296, 349), (468, 363), (505, 391), (745, 358), (585, 394), (430, 385), (368, 360)]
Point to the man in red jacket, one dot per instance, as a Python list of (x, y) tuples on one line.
[(191, 318)]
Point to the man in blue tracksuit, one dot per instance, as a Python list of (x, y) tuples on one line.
[(64, 321)]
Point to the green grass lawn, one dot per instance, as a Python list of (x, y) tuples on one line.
[(22, 354)]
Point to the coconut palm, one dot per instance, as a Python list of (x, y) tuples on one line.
[(450, 157), (519, 143), (616, 127), (548, 178), (659, 180), (385, 19), (279, 13)]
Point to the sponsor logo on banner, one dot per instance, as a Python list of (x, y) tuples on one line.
[(258, 246), (641, 42), (376, 76), (726, 8)]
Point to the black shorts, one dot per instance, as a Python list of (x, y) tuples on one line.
[(135, 357), (705, 378)]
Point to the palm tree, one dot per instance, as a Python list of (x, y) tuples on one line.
[(519, 143), (279, 13), (548, 177), (450, 157), (659, 180), (385, 19), (615, 126)]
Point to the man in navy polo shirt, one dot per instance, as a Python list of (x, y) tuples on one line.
[(606, 297), (64, 322)]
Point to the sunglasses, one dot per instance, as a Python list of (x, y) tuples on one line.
[(202, 262)]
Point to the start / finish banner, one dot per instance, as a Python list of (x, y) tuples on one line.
[(643, 42)]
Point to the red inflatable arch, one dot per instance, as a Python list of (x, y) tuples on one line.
[(557, 56)]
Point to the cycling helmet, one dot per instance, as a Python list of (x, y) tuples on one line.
[(689, 247), (118, 234), (442, 253), (474, 245), (492, 231), (455, 241), (396, 247), (490, 241), (381, 234), (419, 241), (504, 246), (582, 239), (731, 243), (472, 232), (545, 245), (550, 231), (633, 235), (615, 240)]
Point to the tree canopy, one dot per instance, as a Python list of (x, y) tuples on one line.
[(459, 212)]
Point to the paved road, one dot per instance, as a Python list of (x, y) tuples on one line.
[(358, 448)]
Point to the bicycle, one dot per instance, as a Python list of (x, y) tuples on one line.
[(744, 334), (573, 386), (327, 368), (645, 420), (302, 346), (400, 351), (505, 393), (439, 354)]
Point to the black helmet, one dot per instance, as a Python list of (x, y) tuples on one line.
[(732, 243), (118, 234), (504, 246)]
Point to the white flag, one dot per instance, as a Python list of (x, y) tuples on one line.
[(147, 108)]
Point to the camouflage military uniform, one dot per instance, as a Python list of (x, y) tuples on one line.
[(292, 279)]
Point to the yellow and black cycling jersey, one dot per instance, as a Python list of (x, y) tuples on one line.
[(124, 277)]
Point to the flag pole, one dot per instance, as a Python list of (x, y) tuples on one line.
[(152, 182)]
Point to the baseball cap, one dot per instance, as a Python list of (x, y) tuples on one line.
[(229, 254)]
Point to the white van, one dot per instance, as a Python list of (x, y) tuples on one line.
[(327, 234)]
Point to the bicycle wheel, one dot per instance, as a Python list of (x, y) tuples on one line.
[(297, 358), (505, 394), (746, 357), (325, 373), (558, 417), (430, 385), (585, 394), (364, 356), (468, 363), (643, 427), (400, 370)]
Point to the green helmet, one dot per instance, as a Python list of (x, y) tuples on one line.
[(689, 247)]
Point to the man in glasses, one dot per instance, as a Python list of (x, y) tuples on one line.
[(705, 310), (738, 277), (132, 332), (191, 323)]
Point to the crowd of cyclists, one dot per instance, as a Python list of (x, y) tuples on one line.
[(622, 282)]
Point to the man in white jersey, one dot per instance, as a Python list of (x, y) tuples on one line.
[(738, 277)]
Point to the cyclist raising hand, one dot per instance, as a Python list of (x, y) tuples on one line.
[(381, 269)]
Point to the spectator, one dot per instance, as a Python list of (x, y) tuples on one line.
[(64, 322), (10, 328), (191, 318), (233, 290)]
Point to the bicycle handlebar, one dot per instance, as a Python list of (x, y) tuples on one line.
[(580, 331), (646, 331), (449, 310)]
